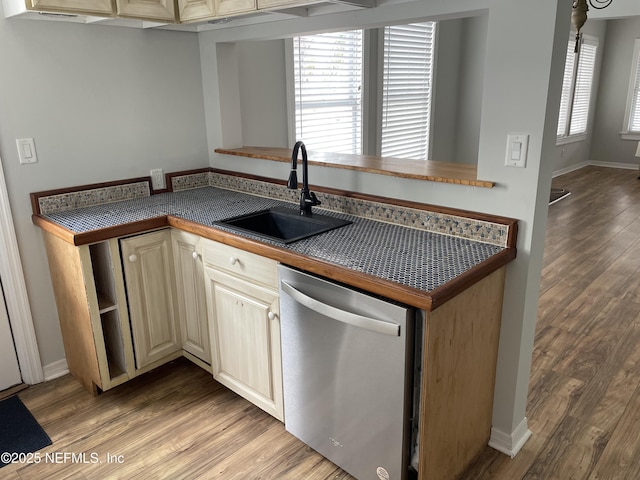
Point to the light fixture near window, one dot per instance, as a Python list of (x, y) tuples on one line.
[(579, 14)]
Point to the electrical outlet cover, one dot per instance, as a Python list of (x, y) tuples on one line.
[(157, 179)]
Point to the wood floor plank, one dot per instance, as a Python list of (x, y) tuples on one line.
[(608, 394), (571, 453), (600, 335), (623, 449)]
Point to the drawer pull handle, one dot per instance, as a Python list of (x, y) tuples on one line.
[(271, 315), (133, 258), (233, 260), (195, 255)]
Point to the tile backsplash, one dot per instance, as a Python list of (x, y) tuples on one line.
[(95, 196), (482, 231), (447, 224)]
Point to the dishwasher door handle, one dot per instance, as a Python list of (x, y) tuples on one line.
[(340, 315)]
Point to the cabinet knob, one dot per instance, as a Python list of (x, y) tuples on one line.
[(195, 255), (133, 258), (271, 315), (233, 260)]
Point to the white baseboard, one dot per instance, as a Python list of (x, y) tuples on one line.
[(55, 370), (510, 443), (569, 169), (595, 163), (627, 166)]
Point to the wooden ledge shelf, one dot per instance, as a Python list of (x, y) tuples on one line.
[(432, 171)]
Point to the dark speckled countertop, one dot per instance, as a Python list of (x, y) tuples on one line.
[(414, 258)]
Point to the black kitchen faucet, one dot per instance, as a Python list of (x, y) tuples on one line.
[(307, 199)]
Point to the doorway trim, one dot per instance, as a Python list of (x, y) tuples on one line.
[(16, 298)]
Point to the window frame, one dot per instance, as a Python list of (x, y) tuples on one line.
[(634, 79), (567, 137)]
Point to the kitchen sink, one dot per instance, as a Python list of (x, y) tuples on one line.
[(283, 225)]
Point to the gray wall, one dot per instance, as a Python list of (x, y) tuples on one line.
[(607, 146), (103, 103), (474, 45), (445, 90), (263, 93), (457, 99)]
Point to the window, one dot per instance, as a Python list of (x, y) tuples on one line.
[(576, 88), (406, 90), (632, 120), (328, 91)]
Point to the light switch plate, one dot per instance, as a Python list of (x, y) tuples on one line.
[(26, 150), (517, 146)]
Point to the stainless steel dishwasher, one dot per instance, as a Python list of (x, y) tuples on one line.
[(347, 360)]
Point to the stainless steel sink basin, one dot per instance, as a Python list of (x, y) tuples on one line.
[(282, 224)]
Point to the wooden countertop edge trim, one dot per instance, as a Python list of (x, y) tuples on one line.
[(132, 228), (369, 169), (54, 229), (386, 288), (101, 234), (417, 298), (428, 301), (446, 292)]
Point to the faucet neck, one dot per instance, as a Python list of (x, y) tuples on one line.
[(307, 198), (292, 183)]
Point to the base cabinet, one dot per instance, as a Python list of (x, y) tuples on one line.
[(92, 310), (191, 295), (244, 321), (149, 276)]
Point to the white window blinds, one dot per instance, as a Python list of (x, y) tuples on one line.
[(634, 117), (576, 88), (567, 89), (406, 91), (582, 92), (328, 91)]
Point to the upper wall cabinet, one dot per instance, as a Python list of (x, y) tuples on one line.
[(266, 4), (152, 13), (163, 10), (193, 10), (232, 7), (84, 7)]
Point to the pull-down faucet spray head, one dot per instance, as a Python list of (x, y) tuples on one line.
[(292, 183)]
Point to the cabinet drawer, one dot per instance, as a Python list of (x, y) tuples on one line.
[(245, 264)]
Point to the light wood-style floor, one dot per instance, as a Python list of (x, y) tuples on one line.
[(584, 398), (584, 401)]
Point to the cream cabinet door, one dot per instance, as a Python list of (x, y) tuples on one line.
[(191, 10), (231, 7), (245, 339), (191, 295), (161, 10), (149, 277), (89, 7)]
